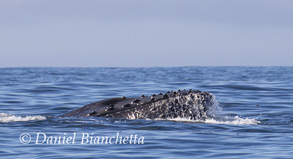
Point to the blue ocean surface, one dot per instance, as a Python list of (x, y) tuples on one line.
[(254, 107)]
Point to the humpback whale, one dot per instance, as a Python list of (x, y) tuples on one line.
[(191, 104)]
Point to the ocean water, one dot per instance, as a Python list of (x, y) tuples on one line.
[(254, 107)]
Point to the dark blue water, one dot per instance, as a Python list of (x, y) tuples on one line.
[(256, 102)]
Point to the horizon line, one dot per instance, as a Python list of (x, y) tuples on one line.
[(145, 66)]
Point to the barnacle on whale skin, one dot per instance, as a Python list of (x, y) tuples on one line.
[(192, 104)]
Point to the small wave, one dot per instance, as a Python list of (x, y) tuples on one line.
[(5, 118), (225, 120)]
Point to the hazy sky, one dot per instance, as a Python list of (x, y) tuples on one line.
[(138, 33)]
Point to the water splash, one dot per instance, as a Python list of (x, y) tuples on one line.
[(5, 118), (214, 115)]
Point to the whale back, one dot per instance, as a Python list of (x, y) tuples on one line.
[(192, 104)]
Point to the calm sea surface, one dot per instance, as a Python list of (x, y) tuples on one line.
[(255, 120)]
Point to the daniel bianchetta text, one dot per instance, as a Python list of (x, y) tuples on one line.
[(85, 138)]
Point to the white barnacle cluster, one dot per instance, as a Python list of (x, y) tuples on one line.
[(193, 106)]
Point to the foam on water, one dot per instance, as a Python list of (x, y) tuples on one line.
[(235, 121), (4, 118), (226, 120)]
